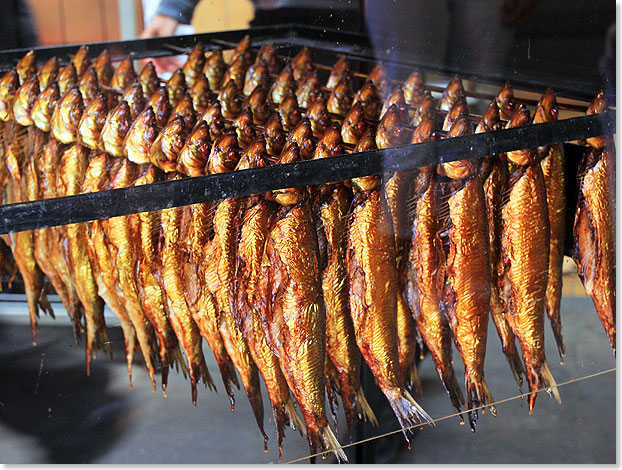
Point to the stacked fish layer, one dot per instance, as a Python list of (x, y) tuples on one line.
[(300, 285)]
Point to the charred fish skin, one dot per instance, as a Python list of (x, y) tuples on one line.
[(372, 278), (552, 164), (494, 172), (594, 224), (69, 180)]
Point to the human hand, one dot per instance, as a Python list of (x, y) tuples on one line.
[(162, 25)]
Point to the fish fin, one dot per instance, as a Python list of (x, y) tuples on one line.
[(409, 414), (544, 378), (478, 395), (415, 380), (366, 412), (294, 420), (327, 441)]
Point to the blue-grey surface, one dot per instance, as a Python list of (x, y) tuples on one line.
[(51, 412)]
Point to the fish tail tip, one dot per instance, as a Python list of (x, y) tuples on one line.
[(331, 444), (366, 410)]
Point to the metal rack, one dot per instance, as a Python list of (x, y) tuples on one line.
[(326, 45)]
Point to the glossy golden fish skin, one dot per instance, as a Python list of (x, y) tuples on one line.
[(256, 75), (494, 173), (24, 101), (115, 129), (523, 292), (8, 88), (289, 112), (453, 91), (214, 68), (332, 208), (302, 135), (257, 102), (378, 76), (283, 85), (81, 60), (97, 178), (256, 212), (165, 149), (202, 96), (185, 110), (151, 293), (66, 116), (213, 118), (71, 172), (88, 85), (424, 275), (26, 67), (161, 106), (23, 187), (124, 75), (48, 168), (366, 142), (243, 49), (425, 107), (267, 54), (594, 224), (140, 136), (220, 275), (414, 88), (195, 152), (236, 71), (309, 91), (275, 135), (103, 67), (168, 272), (121, 233), (193, 67), (135, 99), (466, 291), (148, 79), (318, 117), (460, 168), (396, 98), (67, 78), (552, 164), (340, 68), (230, 99), (458, 109), (294, 314), (505, 101), (92, 122), (176, 87), (521, 117), (46, 240), (301, 64), (244, 128), (353, 126), (369, 98), (340, 99), (48, 73), (373, 283), (391, 132)]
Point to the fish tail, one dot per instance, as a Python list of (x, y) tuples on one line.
[(365, 409), (552, 308), (45, 304), (294, 420), (478, 395), (31, 297), (409, 414), (450, 382), (516, 366), (283, 413), (415, 380), (508, 339), (325, 440), (176, 358), (541, 376), (253, 392), (229, 378), (129, 335)]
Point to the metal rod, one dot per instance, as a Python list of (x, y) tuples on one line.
[(125, 201)]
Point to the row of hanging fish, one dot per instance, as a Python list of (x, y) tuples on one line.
[(300, 285)]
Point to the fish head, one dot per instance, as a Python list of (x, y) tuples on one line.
[(318, 117), (166, 148), (490, 120), (148, 79), (255, 156), (202, 95), (597, 106), (214, 68), (425, 106), (44, 105), (185, 110), (115, 129), (224, 155), (289, 112), (256, 75), (289, 196), (81, 60), (92, 121), (66, 116), (26, 67), (124, 75), (397, 99), (214, 119), (452, 92), (301, 64), (505, 101), (302, 135), (414, 88), (89, 84), (331, 143), (461, 168), (425, 130), (230, 99), (458, 109), (244, 128), (366, 143), (391, 130), (48, 73), (275, 135), (520, 117), (340, 99), (176, 86), (547, 109), (140, 137), (194, 64), (337, 72), (195, 152), (24, 99), (67, 77), (260, 108), (161, 106), (103, 67)]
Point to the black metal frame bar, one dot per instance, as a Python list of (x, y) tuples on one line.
[(124, 201)]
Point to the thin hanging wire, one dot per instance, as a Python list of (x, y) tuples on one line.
[(453, 415)]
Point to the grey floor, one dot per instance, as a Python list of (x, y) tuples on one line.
[(50, 412)]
